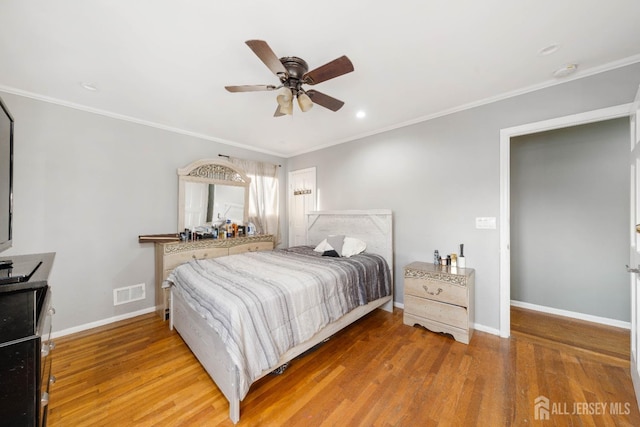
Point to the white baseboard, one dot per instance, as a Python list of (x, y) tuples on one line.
[(103, 322), (114, 319), (573, 314), (487, 329)]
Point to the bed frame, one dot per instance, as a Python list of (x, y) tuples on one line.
[(371, 226)]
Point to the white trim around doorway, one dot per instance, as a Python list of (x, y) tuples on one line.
[(505, 182)]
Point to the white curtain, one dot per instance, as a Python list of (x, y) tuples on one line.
[(263, 196)]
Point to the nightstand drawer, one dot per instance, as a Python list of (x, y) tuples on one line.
[(445, 313), (437, 290)]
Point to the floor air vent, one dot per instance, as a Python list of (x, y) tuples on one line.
[(128, 294)]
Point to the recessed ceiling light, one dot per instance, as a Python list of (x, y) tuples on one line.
[(361, 114), (566, 70), (552, 48), (89, 86)]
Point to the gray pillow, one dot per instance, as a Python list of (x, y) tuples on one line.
[(336, 242)]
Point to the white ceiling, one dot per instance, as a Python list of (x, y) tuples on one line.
[(166, 62)]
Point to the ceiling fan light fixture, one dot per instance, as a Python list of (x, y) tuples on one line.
[(292, 73), (285, 101), (284, 96), (287, 108), (305, 102)]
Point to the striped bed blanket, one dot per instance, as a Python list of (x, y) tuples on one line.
[(264, 303)]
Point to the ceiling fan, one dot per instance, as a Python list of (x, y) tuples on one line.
[(293, 72)]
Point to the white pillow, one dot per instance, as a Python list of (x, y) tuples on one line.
[(352, 246), (333, 242), (323, 246), (336, 242)]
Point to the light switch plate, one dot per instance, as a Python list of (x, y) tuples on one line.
[(486, 223)]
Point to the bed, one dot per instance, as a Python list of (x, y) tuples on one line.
[(218, 305)]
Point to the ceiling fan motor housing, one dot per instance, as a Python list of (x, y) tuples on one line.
[(296, 68)]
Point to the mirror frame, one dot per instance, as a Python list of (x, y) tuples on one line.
[(211, 171)]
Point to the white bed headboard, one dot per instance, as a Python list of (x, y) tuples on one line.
[(375, 227)]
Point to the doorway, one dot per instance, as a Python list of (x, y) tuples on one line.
[(302, 196), (570, 222), (505, 187)]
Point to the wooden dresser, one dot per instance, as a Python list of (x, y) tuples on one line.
[(440, 298), (169, 255)]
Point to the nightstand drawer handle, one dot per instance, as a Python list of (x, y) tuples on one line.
[(426, 289)]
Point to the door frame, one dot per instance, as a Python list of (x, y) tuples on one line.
[(290, 195), (633, 244), (505, 186)]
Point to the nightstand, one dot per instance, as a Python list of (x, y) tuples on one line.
[(440, 298)]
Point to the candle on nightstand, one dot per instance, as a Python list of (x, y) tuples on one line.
[(461, 259)]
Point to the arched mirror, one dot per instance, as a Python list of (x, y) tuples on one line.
[(210, 192)]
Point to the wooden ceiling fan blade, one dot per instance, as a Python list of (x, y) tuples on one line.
[(250, 88), (325, 101), (267, 56), (328, 71)]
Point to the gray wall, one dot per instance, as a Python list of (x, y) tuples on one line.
[(570, 219), (438, 176), (86, 186)]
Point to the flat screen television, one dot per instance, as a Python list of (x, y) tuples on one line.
[(6, 177)]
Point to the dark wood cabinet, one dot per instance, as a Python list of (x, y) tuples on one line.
[(25, 346)]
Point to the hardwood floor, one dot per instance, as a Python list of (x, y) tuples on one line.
[(563, 332), (377, 372)]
